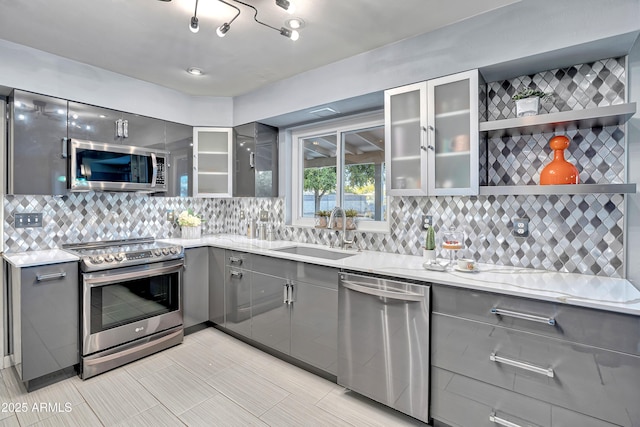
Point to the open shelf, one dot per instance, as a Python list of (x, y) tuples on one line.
[(561, 121), (525, 190)]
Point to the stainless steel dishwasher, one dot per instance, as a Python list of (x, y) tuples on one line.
[(383, 344)]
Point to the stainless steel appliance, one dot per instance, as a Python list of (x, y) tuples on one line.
[(113, 167), (131, 301), (383, 341)]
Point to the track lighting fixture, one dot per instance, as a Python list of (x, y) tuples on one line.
[(193, 24), (222, 30)]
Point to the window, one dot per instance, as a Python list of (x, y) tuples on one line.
[(340, 163)]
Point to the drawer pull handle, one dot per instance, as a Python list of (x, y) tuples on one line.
[(237, 274), (540, 319), (52, 276), (522, 365), (235, 259), (502, 422)]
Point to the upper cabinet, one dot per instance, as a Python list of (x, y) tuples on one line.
[(432, 137), (255, 154), (179, 144), (110, 126), (37, 149), (212, 162)]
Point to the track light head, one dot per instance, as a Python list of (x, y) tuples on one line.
[(222, 29), (286, 5), (292, 34), (193, 25)]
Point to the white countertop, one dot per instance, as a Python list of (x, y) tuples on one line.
[(34, 258), (617, 295)]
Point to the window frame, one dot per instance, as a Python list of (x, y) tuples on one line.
[(336, 127)]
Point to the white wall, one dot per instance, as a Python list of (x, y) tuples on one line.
[(633, 200), (37, 71), (487, 39)]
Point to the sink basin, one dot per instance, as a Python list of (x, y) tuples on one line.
[(314, 252)]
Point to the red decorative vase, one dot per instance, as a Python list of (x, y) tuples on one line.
[(559, 171)]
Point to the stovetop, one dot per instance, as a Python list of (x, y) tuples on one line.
[(120, 253)]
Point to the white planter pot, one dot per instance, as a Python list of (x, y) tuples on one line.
[(527, 106), (429, 255), (191, 232)]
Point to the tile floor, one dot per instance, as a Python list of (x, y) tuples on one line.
[(211, 379)]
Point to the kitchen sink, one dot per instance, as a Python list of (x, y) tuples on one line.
[(314, 252)]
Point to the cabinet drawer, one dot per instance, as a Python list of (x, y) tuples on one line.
[(238, 259), (596, 382), (614, 331), (461, 401)]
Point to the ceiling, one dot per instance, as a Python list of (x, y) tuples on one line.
[(150, 39)]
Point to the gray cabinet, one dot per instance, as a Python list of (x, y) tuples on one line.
[(548, 352), (314, 317), (216, 285), (289, 306), (255, 154), (195, 286), (37, 146), (179, 144), (110, 126), (237, 293), (46, 312)]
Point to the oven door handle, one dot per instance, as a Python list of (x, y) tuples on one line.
[(130, 275)]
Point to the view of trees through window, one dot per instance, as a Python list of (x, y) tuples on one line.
[(362, 160)]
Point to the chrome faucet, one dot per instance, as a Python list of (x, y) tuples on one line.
[(344, 243)]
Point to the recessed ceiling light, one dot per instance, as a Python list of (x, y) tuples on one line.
[(195, 71), (295, 23), (102, 116)]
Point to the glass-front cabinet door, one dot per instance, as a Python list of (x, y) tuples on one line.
[(452, 129), (212, 162), (405, 123)]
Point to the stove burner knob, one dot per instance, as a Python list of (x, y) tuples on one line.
[(108, 258), (119, 256), (157, 252), (165, 251), (173, 250), (97, 259)]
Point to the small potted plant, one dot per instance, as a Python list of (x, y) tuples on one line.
[(429, 252), (528, 101), (190, 224), (351, 215), (322, 217)]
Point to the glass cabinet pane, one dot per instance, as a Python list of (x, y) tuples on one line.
[(405, 140), (212, 161), (452, 121)]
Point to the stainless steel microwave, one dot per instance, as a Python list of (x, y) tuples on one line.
[(114, 167)]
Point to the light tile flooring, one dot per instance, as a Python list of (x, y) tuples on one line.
[(211, 379)]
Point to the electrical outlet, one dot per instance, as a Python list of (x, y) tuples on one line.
[(171, 217), (242, 215), (521, 227), (28, 220), (264, 216), (427, 221)]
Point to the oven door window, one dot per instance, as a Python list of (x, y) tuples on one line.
[(106, 166), (121, 303)]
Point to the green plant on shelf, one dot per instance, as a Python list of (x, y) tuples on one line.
[(531, 93)]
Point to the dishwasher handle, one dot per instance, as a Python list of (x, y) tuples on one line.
[(375, 291)]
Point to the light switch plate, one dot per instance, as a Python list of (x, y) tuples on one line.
[(28, 220), (264, 216), (521, 227)]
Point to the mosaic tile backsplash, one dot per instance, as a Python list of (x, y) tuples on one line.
[(579, 234), (568, 233)]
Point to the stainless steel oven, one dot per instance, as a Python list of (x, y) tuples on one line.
[(131, 302)]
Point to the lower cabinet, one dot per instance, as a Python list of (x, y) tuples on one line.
[(46, 330), (484, 367), (289, 306), (216, 285), (195, 286)]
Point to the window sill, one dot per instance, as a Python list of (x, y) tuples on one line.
[(366, 227)]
